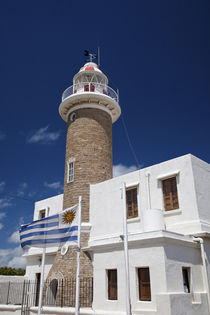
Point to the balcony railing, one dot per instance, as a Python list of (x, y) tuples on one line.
[(92, 87)]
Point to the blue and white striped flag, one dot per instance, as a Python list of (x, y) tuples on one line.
[(55, 230)]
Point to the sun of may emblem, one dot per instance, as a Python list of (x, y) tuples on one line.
[(68, 216)]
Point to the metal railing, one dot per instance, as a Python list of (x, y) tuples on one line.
[(60, 293), (92, 87)]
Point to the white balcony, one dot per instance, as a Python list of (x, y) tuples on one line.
[(90, 87)]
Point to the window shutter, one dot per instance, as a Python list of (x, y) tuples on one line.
[(170, 194), (131, 202), (112, 284), (144, 284)]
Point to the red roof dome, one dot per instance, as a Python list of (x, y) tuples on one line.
[(90, 68)]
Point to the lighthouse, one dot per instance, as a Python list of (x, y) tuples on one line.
[(89, 107)]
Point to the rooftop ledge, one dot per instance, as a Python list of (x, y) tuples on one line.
[(146, 238)]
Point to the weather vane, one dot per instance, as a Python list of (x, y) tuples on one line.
[(91, 56)]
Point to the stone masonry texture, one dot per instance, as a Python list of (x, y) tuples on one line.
[(89, 143)]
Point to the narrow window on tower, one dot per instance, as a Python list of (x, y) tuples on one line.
[(170, 194), (131, 203), (144, 284), (112, 284), (70, 175)]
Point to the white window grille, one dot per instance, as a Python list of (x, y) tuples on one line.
[(70, 177)]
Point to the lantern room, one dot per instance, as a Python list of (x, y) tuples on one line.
[(90, 79), (90, 90)]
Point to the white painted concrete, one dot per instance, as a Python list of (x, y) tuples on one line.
[(164, 252), (158, 239), (193, 198), (34, 255)]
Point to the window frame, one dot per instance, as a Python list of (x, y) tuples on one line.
[(70, 179), (172, 206), (186, 280), (134, 216), (140, 297), (41, 212), (110, 295)]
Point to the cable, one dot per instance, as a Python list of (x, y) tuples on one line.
[(129, 142), (127, 136)]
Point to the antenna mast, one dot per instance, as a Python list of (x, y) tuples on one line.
[(99, 57)]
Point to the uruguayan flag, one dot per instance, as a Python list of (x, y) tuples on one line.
[(55, 230)]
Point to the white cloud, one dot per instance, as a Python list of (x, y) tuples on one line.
[(2, 185), (31, 194), (21, 189), (4, 203), (121, 169), (42, 135), (2, 214), (12, 257), (23, 185), (55, 185), (17, 262), (2, 136), (21, 221), (14, 238)]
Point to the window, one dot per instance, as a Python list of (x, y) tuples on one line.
[(144, 284), (42, 214), (170, 195), (186, 279), (38, 280), (131, 202), (70, 175), (92, 87), (112, 284), (86, 88)]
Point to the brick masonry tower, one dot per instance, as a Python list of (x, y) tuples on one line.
[(89, 107)]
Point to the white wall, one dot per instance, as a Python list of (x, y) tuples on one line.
[(178, 256), (114, 259), (34, 266), (55, 204), (165, 254), (201, 172), (33, 256), (106, 204), (165, 258)]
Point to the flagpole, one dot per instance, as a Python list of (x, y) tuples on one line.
[(78, 258), (127, 273), (42, 275)]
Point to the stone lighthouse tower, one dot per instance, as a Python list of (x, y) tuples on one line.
[(89, 107)]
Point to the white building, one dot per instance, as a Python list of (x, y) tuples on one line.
[(168, 221), (168, 209)]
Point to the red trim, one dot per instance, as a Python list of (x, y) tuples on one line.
[(89, 68)]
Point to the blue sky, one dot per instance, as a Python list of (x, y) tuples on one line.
[(155, 52)]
